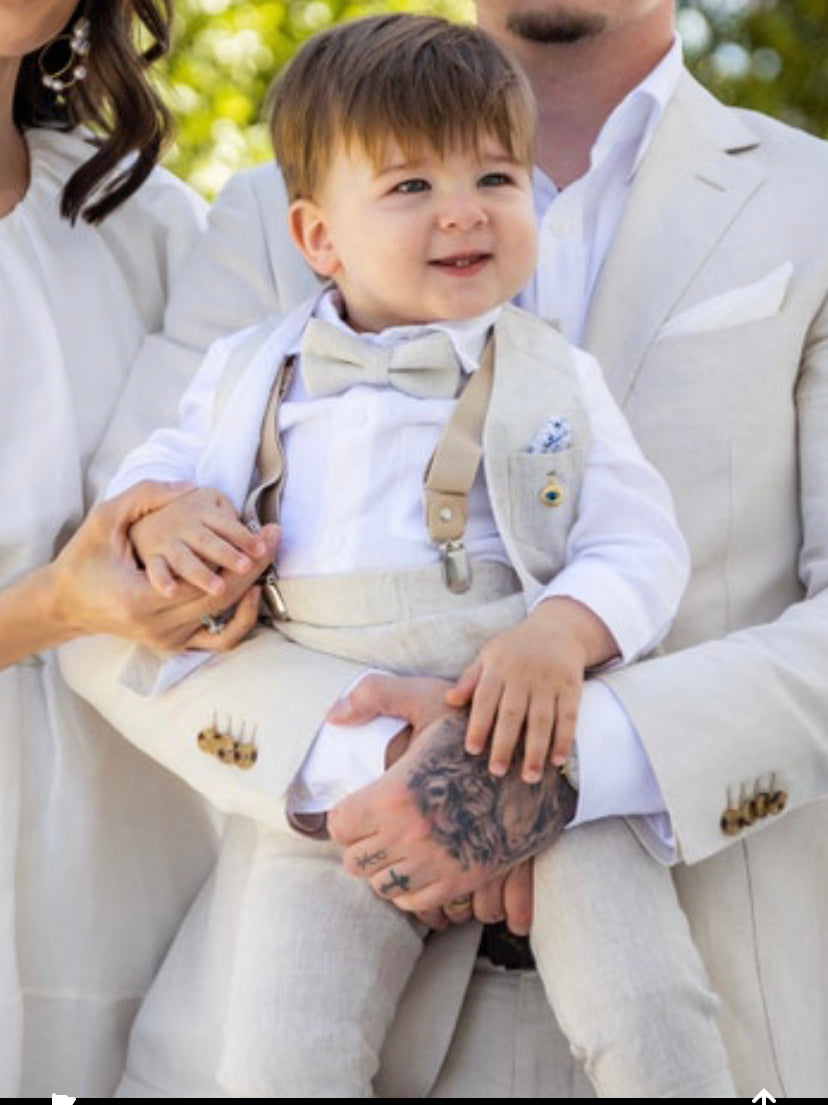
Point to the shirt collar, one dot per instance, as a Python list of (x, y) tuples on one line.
[(639, 113), (467, 336)]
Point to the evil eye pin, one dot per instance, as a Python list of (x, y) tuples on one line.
[(552, 494)]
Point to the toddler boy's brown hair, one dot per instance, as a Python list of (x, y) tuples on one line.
[(420, 80)]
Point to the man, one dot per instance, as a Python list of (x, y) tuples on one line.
[(686, 250)]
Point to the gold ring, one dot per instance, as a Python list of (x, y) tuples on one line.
[(460, 903)]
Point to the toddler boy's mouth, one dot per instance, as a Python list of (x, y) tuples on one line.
[(462, 263)]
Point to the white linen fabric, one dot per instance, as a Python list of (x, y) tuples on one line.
[(101, 852)]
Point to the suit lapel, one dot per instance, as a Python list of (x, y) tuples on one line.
[(689, 188)]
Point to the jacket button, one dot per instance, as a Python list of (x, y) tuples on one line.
[(731, 822), (777, 801), (246, 755), (214, 743), (746, 814), (759, 804), (227, 752)]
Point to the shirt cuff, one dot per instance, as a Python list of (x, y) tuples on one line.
[(615, 778), (342, 759)]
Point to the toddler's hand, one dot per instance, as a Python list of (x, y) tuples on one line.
[(194, 539), (526, 682)]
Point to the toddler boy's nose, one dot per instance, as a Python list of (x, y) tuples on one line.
[(462, 213)]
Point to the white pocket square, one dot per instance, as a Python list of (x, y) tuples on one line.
[(748, 303)]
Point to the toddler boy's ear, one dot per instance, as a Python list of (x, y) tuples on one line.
[(309, 231)]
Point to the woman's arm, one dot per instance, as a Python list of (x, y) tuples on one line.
[(95, 586)]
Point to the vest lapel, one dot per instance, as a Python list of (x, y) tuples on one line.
[(534, 379)]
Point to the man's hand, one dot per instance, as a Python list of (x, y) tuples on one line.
[(437, 825), (507, 898), (415, 699)]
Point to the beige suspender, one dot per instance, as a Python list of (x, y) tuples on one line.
[(450, 473), (262, 503), (448, 478)]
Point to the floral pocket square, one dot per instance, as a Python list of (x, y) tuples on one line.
[(553, 436)]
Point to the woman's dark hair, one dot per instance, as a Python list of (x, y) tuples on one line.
[(115, 101)]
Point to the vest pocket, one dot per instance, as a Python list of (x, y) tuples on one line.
[(543, 497)]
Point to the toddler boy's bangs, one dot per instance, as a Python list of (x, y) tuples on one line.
[(420, 80)]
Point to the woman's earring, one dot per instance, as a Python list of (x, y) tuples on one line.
[(58, 73)]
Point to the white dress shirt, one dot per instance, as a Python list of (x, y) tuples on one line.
[(576, 227)]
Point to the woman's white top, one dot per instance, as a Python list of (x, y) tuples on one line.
[(101, 851)]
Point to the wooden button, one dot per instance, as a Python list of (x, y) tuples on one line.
[(746, 814), (759, 804), (731, 822), (777, 801), (246, 755), (214, 743)]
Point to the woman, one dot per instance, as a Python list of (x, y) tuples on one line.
[(101, 851)]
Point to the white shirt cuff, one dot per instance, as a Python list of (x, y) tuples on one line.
[(342, 759), (615, 778)]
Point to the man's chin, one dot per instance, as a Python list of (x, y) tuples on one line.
[(561, 27)]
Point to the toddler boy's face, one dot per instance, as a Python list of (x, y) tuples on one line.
[(423, 238)]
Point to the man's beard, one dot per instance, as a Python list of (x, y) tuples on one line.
[(550, 27)]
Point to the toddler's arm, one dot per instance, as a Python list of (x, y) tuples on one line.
[(527, 682)]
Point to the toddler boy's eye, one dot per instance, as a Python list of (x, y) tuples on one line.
[(494, 180), (407, 187)]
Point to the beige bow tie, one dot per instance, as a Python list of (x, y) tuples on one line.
[(333, 360)]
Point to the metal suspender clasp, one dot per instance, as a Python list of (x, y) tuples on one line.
[(456, 566), (272, 596)]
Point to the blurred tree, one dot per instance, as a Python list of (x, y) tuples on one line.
[(225, 54), (771, 55), (768, 54)]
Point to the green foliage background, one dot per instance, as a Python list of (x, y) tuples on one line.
[(768, 54)]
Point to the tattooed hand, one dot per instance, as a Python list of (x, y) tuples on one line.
[(442, 824)]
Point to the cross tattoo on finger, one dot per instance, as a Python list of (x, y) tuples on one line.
[(396, 882)]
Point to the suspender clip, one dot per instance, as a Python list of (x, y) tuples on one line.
[(456, 566), (272, 596)]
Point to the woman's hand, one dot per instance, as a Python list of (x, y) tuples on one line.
[(96, 586)]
